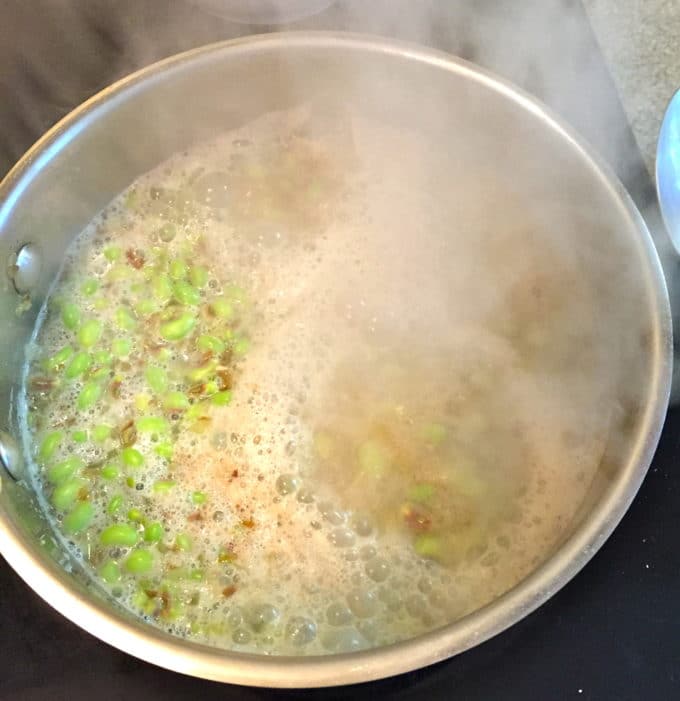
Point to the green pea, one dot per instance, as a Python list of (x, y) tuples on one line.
[(110, 471), (164, 450), (110, 572), (183, 542), (66, 493), (177, 269), (153, 532), (112, 253), (89, 395), (211, 387), (79, 518), (222, 309), (121, 347), (199, 498), (186, 294), (152, 424), (210, 344), (175, 401), (221, 398), (100, 433), (163, 486), (421, 493), (132, 457), (145, 307), (113, 507), (167, 232), (161, 288), (120, 534), (130, 481), (135, 515), (428, 545), (58, 359), (80, 363), (79, 436), (65, 470), (139, 561), (156, 378), (125, 319), (198, 276), (241, 346), (50, 444), (102, 357), (89, 287), (178, 328), (70, 316)]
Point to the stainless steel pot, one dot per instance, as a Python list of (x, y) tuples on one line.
[(77, 168)]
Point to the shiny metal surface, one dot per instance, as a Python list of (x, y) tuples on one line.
[(668, 169), (61, 181)]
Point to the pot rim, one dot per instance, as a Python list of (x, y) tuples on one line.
[(152, 645)]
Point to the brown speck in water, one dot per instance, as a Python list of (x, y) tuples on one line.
[(228, 591), (135, 258)]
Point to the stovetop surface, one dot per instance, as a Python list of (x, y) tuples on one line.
[(614, 631)]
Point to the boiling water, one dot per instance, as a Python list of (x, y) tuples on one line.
[(294, 392)]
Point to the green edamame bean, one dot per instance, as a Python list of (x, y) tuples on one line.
[(163, 486), (152, 424), (79, 436), (164, 450), (183, 542), (125, 319), (121, 347), (119, 534), (161, 287), (178, 328), (89, 287), (79, 518), (101, 433), (90, 333), (221, 398), (199, 498), (65, 470), (70, 316), (79, 364), (110, 572), (156, 378), (58, 359), (175, 401), (185, 293), (153, 532), (50, 444), (112, 253), (89, 395), (177, 269), (222, 309), (139, 561), (110, 471), (198, 276), (132, 457), (102, 357), (114, 504), (211, 344), (66, 493)]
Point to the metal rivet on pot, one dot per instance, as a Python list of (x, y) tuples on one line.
[(10, 457), (25, 267)]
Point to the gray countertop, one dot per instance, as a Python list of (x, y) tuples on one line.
[(639, 42)]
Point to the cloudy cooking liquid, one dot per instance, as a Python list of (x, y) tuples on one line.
[(348, 447)]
